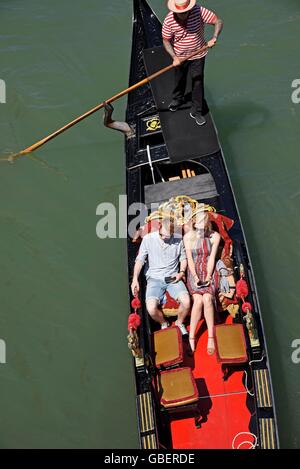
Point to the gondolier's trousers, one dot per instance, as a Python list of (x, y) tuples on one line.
[(196, 69)]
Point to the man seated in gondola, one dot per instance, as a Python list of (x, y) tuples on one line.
[(183, 34), (165, 269)]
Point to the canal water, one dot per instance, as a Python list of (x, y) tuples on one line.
[(67, 381)]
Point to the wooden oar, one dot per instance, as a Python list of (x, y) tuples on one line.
[(146, 80)]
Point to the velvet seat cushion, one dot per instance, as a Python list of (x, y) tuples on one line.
[(230, 343), (177, 387), (168, 347)]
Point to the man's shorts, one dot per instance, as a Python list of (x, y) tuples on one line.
[(156, 290)]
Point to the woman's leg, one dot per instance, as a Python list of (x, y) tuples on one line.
[(209, 313), (195, 318)]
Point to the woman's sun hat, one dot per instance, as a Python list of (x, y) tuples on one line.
[(181, 6)]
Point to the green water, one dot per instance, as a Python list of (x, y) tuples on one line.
[(68, 380)]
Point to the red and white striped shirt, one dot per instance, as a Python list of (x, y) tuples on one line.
[(188, 38)]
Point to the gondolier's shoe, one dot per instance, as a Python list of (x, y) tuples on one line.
[(175, 104), (200, 120)]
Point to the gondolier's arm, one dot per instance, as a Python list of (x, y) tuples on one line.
[(218, 28), (169, 48)]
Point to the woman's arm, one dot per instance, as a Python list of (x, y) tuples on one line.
[(231, 283), (191, 265), (212, 257)]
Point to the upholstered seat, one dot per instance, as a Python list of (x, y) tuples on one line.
[(230, 343), (177, 387), (170, 307), (168, 347)]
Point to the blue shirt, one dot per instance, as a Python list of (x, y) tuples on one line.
[(162, 258)]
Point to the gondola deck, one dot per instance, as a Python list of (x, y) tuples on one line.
[(161, 160), (198, 141), (223, 405)]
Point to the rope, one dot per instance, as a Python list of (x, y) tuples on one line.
[(246, 380), (252, 445), (150, 163), (246, 385)]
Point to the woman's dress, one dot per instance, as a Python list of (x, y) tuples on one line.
[(200, 253)]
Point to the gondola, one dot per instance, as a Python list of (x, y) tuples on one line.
[(233, 405)]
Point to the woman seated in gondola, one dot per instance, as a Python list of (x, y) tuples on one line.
[(201, 244), (227, 286)]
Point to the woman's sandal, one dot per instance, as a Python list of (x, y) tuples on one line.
[(192, 347), (211, 350)]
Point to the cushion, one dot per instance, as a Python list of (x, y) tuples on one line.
[(177, 387), (170, 307), (230, 343), (168, 347)]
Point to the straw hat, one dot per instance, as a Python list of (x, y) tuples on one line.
[(181, 6)]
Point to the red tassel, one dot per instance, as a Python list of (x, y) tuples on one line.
[(246, 307), (242, 288), (134, 321), (136, 304)]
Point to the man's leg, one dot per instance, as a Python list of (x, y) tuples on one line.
[(197, 73), (180, 76), (154, 310), (184, 308), (154, 293), (179, 292)]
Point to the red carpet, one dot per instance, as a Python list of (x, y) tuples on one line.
[(224, 412)]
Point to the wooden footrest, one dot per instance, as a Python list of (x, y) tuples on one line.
[(267, 433), (149, 442), (262, 386), (145, 413)]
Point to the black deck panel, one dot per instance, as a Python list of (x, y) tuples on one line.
[(183, 137)]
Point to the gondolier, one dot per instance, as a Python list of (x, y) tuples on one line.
[(183, 34)]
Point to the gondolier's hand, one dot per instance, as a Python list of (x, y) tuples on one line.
[(135, 286), (177, 61), (212, 42)]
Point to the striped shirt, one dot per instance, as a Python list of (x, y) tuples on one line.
[(162, 257), (190, 37)]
